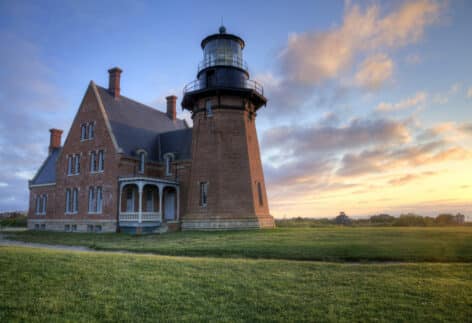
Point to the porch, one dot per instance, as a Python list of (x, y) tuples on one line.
[(146, 203)]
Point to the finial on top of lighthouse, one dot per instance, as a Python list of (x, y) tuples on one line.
[(222, 29)]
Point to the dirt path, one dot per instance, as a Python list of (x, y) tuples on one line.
[(4, 241)]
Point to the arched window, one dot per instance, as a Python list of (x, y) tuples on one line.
[(99, 199), (68, 201), (69, 165), (76, 164), (38, 205), (101, 160), (91, 130), (75, 200), (203, 194), (93, 162), (44, 206), (91, 200), (83, 131)]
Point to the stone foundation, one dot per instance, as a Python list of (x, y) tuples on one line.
[(81, 225), (229, 224)]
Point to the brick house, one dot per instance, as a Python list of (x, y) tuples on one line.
[(125, 166)]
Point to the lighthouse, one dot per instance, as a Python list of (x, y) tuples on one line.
[(226, 187)]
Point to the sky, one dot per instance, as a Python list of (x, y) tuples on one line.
[(369, 102)]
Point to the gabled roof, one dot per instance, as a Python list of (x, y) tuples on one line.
[(47, 171), (137, 126)]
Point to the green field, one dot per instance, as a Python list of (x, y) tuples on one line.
[(432, 244), (39, 285), (372, 275)]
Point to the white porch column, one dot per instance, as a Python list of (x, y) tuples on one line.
[(177, 192), (161, 192), (140, 202)]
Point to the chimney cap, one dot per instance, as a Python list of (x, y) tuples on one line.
[(171, 97), (56, 130), (115, 69)]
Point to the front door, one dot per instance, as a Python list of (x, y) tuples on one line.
[(169, 205)]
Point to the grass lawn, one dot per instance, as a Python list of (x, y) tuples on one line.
[(46, 285), (414, 244)]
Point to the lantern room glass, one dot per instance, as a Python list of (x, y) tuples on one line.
[(223, 52)]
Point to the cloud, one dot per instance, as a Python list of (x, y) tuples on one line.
[(405, 179), (418, 99), (413, 59), (381, 160), (317, 137), (313, 57), (3, 184), (374, 72)]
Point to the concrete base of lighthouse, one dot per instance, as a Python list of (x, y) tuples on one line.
[(241, 223)]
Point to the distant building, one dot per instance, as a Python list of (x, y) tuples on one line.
[(126, 166)]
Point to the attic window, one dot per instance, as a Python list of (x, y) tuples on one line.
[(91, 130), (83, 131)]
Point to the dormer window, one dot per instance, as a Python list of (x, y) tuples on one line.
[(142, 161), (168, 160)]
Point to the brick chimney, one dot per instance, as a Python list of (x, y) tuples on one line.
[(171, 103), (114, 81), (55, 139)]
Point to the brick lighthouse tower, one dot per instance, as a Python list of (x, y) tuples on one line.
[(226, 188)]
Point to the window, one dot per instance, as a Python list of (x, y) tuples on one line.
[(75, 200), (91, 201), (259, 192), (83, 132), (76, 164), (93, 162), (203, 193), (208, 109), (69, 165), (101, 160), (99, 199), (168, 165), (43, 226), (129, 200), (89, 228), (74, 227), (68, 201), (98, 228), (67, 227), (44, 204), (142, 156), (36, 226), (91, 130), (38, 205), (149, 201)]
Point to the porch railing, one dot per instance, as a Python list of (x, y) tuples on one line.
[(134, 216)]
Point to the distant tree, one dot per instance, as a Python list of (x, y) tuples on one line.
[(411, 219), (342, 219), (445, 219), (382, 218)]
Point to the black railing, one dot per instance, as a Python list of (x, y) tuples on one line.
[(234, 61), (246, 84)]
